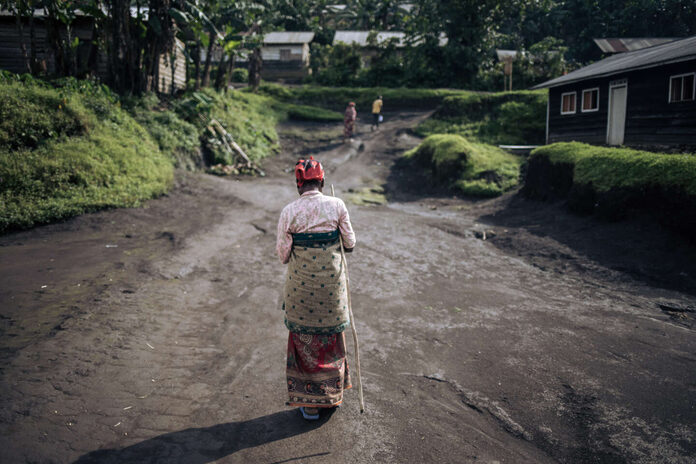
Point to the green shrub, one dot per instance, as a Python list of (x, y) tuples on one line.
[(496, 118), (240, 75), (471, 168), (606, 168), (107, 159)]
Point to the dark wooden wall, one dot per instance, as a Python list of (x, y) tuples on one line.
[(650, 119), (580, 127), (11, 58)]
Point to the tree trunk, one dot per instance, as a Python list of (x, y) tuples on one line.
[(208, 60), (55, 40), (255, 69), (32, 40), (20, 31), (230, 69), (221, 71), (197, 65)]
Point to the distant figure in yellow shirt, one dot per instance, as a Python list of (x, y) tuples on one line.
[(376, 113)]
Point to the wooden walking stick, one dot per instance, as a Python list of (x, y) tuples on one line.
[(352, 319)]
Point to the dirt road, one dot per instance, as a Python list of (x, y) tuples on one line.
[(156, 335)]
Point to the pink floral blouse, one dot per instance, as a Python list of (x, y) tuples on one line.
[(312, 212)]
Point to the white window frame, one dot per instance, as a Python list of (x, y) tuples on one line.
[(693, 91), (582, 100), (575, 106)]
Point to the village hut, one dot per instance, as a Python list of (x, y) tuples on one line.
[(286, 55), (642, 98)]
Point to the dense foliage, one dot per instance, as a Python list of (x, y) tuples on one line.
[(468, 167), (448, 43), (496, 118)]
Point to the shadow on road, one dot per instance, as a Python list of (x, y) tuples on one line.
[(554, 239), (208, 444)]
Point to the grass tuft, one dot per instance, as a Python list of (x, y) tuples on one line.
[(469, 167)]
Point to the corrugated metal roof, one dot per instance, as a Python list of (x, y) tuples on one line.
[(507, 54), (671, 52), (618, 45), (360, 37), (288, 37)]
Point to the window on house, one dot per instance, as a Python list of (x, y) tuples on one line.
[(568, 103), (590, 100), (681, 88)]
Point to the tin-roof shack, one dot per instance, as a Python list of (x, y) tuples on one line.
[(642, 98), (286, 55)]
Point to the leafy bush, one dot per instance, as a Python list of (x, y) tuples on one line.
[(471, 168), (496, 118), (336, 65), (240, 75), (97, 157)]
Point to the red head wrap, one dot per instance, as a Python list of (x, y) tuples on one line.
[(351, 104), (310, 169)]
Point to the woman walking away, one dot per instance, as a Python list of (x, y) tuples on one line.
[(376, 113), (315, 293), (349, 118)]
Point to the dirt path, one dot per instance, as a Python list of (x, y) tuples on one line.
[(155, 334)]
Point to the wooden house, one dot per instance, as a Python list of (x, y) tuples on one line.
[(286, 55), (88, 58), (642, 98)]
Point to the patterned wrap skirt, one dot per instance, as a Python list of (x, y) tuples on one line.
[(317, 370), (348, 127)]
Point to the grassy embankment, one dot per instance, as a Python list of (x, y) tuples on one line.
[(504, 118), (337, 98), (616, 182), (458, 150), (471, 168), (71, 146), (68, 150)]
